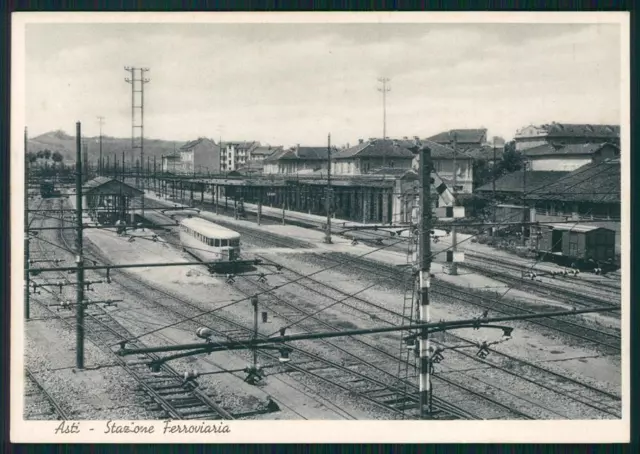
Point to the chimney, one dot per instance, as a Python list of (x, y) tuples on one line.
[(360, 141)]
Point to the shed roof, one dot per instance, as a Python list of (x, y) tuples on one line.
[(596, 182), (111, 186), (514, 181)]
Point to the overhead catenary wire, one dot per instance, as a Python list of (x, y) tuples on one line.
[(234, 302)]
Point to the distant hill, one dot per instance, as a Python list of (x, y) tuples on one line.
[(66, 145)]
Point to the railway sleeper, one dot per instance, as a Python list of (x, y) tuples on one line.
[(165, 388), (187, 403), (179, 392), (202, 414), (398, 400)]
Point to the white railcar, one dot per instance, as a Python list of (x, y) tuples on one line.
[(208, 241)]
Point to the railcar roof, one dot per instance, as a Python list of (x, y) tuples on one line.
[(207, 228), (577, 228)]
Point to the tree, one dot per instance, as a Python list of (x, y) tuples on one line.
[(40, 154), (512, 159), (31, 157), (46, 154), (56, 156), (482, 172)]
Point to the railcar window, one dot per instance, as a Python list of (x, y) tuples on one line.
[(223, 243), (217, 243)]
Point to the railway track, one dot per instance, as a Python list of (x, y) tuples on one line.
[(590, 396), (387, 364), (597, 283), (505, 273), (404, 401), (39, 404), (174, 398), (364, 387), (609, 342), (386, 390)]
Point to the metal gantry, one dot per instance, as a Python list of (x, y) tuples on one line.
[(137, 81)]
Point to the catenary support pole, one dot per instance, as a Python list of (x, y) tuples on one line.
[(79, 258), (453, 266), (425, 269), (254, 303)]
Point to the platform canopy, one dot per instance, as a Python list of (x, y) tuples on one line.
[(110, 186)]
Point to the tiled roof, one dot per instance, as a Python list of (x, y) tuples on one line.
[(462, 135), (193, 143), (377, 149), (514, 182), (242, 144), (392, 171), (597, 182), (298, 153), (439, 151), (265, 150), (571, 149), (577, 130), (486, 152)]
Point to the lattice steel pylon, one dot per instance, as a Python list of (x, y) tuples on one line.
[(408, 358), (137, 81)]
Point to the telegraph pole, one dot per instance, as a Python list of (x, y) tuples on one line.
[(453, 267), (137, 82), (100, 122), (27, 307), (385, 89), (79, 258), (327, 237), (425, 269)]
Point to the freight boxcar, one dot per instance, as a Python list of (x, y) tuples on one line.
[(580, 245)]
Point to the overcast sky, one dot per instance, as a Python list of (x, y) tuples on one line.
[(288, 83)]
